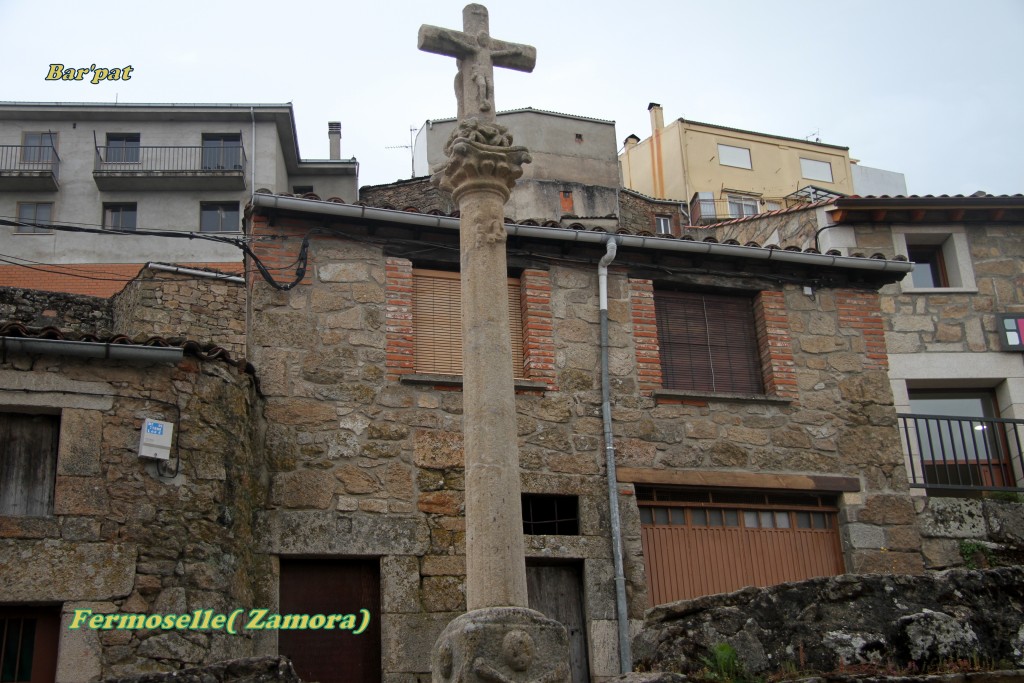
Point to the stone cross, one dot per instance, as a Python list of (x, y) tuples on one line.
[(500, 640), (476, 55)]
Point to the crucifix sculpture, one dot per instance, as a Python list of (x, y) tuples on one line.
[(500, 640)]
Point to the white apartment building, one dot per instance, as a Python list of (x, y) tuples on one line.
[(129, 169)]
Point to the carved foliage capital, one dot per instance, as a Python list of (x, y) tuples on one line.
[(481, 156)]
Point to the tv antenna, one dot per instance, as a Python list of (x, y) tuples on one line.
[(412, 153), (816, 135)]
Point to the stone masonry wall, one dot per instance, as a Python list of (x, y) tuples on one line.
[(418, 193), (125, 537), (792, 228), (67, 312), (179, 306), (975, 532)]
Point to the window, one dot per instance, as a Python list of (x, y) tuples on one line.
[(222, 151), (218, 217), (437, 322), (119, 216), (929, 266), (28, 463), (565, 199), (546, 514), (38, 147), (740, 206), (816, 170), (708, 342), (302, 189), (734, 156), (28, 643), (123, 148), (39, 213), (663, 225)]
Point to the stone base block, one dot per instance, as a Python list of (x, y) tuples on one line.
[(502, 645)]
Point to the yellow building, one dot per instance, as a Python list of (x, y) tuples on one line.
[(729, 173)]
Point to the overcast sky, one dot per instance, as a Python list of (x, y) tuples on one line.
[(931, 88)]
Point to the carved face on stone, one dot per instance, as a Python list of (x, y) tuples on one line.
[(518, 650)]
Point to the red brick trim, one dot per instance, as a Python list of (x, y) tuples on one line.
[(538, 330), (776, 345), (399, 343), (645, 336), (92, 279), (277, 248), (862, 311)]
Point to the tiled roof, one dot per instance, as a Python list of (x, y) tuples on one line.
[(776, 212), (192, 348)]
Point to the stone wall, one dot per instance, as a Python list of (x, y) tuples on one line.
[(179, 306), (959, 532), (67, 312), (127, 536), (784, 229), (637, 213), (859, 622), (418, 193), (249, 670)]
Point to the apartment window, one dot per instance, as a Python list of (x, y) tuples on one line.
[(38, 213), (548, 514), (663, 225), (929, 265), (437, 322), (123, 148), (38, 147), (119, 216), (28, 643), (218, 217), (222, 151), (28, 463), (741, 206), (816, 170), (708, 342), (738, 157)]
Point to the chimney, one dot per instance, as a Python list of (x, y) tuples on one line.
[(334, 135), (631, 141), (657, 117)]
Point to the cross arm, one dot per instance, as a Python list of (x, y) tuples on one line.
[(444, 41), (513, 55)]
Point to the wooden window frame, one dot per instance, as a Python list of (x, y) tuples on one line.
[(437, 323), (932, 256), (708, 342), (28, 472)]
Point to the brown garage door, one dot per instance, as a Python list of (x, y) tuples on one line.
[(701, 542)]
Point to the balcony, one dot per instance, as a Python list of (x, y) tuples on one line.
[(963, 456), (120, 168), (27, 168), (707, 210)]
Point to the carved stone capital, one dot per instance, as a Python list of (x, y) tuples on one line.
[(481, 157), (501, 645)]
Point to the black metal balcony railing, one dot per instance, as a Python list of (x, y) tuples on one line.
[(29, 159), (962, 454), (122, 159)]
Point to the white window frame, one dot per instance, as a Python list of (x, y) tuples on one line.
[(735, 157), (744, 202), (808, 168), (663, 225), (956, 256)]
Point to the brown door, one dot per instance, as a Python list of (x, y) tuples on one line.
[(332, 587), (28, 644), (556, 591), (693, 549)]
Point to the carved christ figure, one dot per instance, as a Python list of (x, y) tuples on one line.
[(476, 54)]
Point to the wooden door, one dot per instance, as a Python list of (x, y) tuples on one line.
[(28, 463), (556, 591), (332, 587)]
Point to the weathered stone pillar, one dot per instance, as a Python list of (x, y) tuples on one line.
[(499, 640)]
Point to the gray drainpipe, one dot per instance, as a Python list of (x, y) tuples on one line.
[(65, 347), (621, 610)]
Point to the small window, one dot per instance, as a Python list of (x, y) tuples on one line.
[(302, 189), (816, 170), (123, 148), (929, 265), (218, 217), (28, 463), (554, 515), (119, 216), (741, 206), (222, 151), (663, 225), (565, 198), (739, 157), (38, 214), (38, 147), (28, 643)]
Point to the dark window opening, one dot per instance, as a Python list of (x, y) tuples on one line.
[(222, 151), (550, 515), (302, 189), (929, 266), (28, 644), (119, 216), (123, 148), (218, 217)]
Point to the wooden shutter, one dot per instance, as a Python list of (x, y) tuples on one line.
[(437, 322), (28, 463), (708, 342)]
